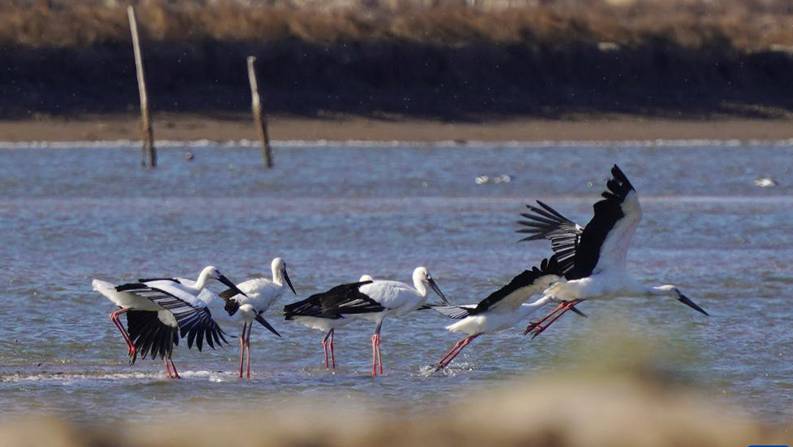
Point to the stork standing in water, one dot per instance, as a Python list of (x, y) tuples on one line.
[(593, 257), (502, 309), (248, 300), (326, 312), (158, 309), (396, 298)]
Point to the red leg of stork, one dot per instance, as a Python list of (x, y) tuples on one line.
[(168, 370), (242, 346), (325, 349), (449, 355), (114, 317), (561, 309), (248, 349), (444, 362), (379, 356), (332, 354), (550, 314), (374, 355), (377, 361), (173, 368)]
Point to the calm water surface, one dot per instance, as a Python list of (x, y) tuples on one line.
[(335, 212)]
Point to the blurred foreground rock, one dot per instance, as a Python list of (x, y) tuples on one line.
[(567, 410)]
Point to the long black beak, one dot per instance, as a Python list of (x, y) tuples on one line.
[(684, 299), (264, 323), (231, 285), (289, 282), (581, 314), (437, 290)]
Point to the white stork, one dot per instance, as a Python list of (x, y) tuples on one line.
[(593, 257), (248, 300), (326, 312), (502, 309), (396, 298), (158, 309)]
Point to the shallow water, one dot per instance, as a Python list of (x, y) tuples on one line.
[(335, 212)]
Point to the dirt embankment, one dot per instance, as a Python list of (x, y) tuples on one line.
[(672, 59), (182, 127)]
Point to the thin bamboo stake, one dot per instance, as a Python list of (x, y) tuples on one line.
[(149, 152), (259, 119)]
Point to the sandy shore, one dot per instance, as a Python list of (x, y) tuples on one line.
[(193, 127)]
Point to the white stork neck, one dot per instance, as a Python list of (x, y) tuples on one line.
[(665, 290), (203, 278), (278, 276), (421, 288)]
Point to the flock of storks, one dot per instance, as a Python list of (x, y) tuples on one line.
[(588, 263)]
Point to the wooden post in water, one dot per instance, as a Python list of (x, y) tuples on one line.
[(258, 117), (149, 152)]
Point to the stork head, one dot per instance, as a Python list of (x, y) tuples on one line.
[(365, 278), (212, 272), (422, 279), (280, 275)]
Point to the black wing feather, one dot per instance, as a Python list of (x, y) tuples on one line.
[(200, 338), (150, 335), (607, 213), (157, 279), (190, 338), (544, 222), (334, 303), (454, 312), (191, 319), (578, 250)]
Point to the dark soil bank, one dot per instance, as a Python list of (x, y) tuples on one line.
[(471, 81)]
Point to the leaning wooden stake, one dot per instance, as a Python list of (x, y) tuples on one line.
[(149, 152), (258, 117)]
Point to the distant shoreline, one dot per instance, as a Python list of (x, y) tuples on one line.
[(184, 127)]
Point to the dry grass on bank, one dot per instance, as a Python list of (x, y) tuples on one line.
[(743, 24)]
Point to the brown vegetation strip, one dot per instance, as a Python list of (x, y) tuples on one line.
[(741, 24)]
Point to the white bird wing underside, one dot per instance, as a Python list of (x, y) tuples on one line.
[(176, 291), (123, 299), (514, 300), (614, 251), (604, 242)]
